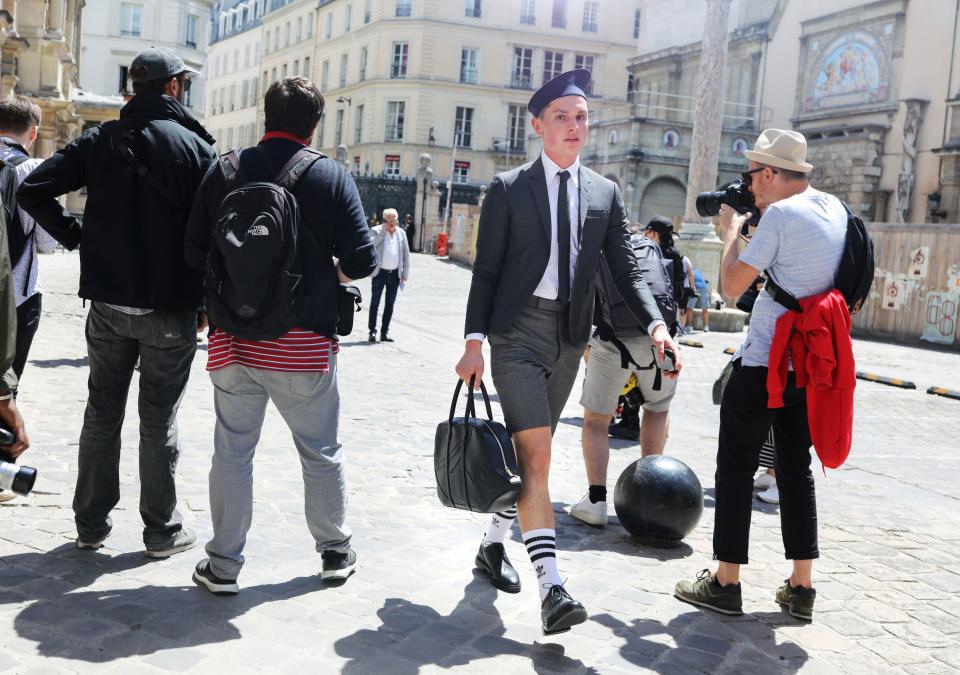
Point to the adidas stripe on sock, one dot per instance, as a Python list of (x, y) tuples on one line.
[(542, 548), (500, 524)]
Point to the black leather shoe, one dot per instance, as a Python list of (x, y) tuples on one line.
[(373, 336), (492, 560), (559, 612), (385, 338)]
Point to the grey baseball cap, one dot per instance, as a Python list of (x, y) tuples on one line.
[(158, 63)]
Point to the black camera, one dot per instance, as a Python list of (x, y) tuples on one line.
[(737, 196), (16, 479)]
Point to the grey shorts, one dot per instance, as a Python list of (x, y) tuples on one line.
[(605, 378), (534, 366)]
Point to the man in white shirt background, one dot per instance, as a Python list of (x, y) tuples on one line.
[(393, 252)]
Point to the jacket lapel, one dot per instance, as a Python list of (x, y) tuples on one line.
[(538, 188), (584, 201)]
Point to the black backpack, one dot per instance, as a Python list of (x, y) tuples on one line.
[(17, 239), (253, 287), (854, 277), (658, 273)]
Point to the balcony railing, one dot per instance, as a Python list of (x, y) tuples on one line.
[(508, 145), (521, 81), (660, 106)]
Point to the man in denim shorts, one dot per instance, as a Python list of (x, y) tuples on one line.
[(601, 389)]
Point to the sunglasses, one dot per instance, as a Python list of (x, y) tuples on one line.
[(748, 177), (185, 83)]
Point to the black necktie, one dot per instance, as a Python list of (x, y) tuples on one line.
[(563, 239)]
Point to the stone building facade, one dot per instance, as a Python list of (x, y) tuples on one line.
[(870, 84), (40, 47)]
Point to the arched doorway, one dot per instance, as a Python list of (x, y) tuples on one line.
[(662, 197)]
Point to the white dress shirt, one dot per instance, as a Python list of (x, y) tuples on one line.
[(391, 251)]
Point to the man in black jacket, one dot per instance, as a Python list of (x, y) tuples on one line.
[(141, 175), (297, 370)]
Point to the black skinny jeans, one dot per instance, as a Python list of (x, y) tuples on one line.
[(745, 420), (389, 279)]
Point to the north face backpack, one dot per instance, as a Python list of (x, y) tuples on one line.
[(657, 272), (854, 277), (253, 287)]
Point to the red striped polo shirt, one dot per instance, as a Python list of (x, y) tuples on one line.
[(298, 350)]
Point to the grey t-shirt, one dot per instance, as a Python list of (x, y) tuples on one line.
[(799, 242)]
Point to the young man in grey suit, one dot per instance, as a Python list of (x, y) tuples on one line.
[(542, 230)]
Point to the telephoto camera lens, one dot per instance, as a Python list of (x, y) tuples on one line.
[(16, 479)]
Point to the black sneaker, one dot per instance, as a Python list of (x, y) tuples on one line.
[(625, 430), (559, 612), (706, 592), (185, 539), (338, 566), (204, 577), (373, 336), (797, 599), (385, 338)]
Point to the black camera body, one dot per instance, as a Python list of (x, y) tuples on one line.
[(16, 479), (736, 195)]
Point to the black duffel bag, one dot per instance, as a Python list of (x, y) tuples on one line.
[(474, 460)]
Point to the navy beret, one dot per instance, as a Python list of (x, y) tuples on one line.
[(570, 83)]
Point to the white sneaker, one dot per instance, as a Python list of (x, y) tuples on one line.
[(706, 329), (763, 480), (590, 513), (771, 495)]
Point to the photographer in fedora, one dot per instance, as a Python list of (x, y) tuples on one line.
[(799, 242)]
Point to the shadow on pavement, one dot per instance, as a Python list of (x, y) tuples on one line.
[(420, 636), (99, 626), (82, 362), (700, 648)]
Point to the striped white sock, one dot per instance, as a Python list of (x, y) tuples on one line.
[(542, 548), (500, 525)]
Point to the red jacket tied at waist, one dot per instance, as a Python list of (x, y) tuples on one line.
[(818, 341)]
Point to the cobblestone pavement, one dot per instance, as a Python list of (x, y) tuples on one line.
[(888, 582)]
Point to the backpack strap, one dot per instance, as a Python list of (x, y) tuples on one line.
[(119, 137), (297, 166), (230, 168), (605, 333), (780, 295)]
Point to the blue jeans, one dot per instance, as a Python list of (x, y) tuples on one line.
[(389, 279), (164, 342)]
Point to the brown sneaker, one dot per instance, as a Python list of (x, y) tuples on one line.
[(797, 599), (706, 592)]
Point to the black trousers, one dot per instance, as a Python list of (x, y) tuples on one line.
[(745, 420), (391, 281), (28, 320)]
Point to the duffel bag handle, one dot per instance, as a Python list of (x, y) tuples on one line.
[(471, 410)]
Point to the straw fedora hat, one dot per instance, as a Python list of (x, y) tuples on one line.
[(782, 149)]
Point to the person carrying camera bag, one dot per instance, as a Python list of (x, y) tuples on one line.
[(799, 242)]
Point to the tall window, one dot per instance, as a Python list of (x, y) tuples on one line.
[(299, 28), (463, 128), (584, 61), (244, 93), (232, 105), (391, 166), (347, 14), (636, 23), (461, 172), (328, 26), (320, 126), (338, 129), (276, 38), (590, 10), (266, 81), (473, 8), (324, 75), (130, 18), (522, 68), (367, 10), (310, 20), (190, 36), (516, 124), (528, 12), (286, 35), (559, 14), (552, 65), (236, 59), (404, 7), (358, 126), (246, 57), (306, 67), (395, 113), (363, 64), (398, 66), (296, 67), (343, 70), (468, 65)]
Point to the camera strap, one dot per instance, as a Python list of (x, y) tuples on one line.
[(781, 296)]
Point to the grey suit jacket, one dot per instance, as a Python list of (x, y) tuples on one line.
[(379, 238), (513, 248)]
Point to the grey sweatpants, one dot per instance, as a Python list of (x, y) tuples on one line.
[(310, 405)]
